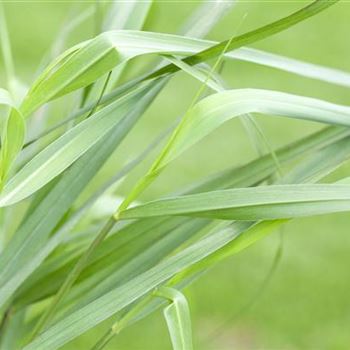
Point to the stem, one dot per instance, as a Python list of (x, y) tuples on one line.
[(71, 278), (106, 338), (122, 323), (4, 322), (104, 87)]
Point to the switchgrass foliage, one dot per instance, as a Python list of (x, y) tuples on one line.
[(67, 268)]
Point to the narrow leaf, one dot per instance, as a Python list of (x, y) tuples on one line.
[(178, 319), (254, 203), (212, 111), (90, 60)]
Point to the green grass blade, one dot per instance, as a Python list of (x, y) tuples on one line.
[(249, 237), (260, 203), (178, 319), (94, 58), (287, 64), (258, 34), (256, 135), (12, 136), (212, 111)]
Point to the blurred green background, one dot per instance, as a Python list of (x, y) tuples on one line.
[(306, 305)]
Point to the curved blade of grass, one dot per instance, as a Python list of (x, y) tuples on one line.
[(258, 34), (177, 316), (200, 27), (287, 64), (98, 56), (212, 111), (256, 135)]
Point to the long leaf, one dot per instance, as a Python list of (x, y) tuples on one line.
[(260, 203), (212, 111), (90, 60), (178, 318)]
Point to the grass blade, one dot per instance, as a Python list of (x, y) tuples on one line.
[(178, 319), (95, 58), (12, 136), (214, 110), (259, 203)]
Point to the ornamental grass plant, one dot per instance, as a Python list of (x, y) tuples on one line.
[(76, 252)]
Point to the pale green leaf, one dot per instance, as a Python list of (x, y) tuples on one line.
[(178, 318), (255, 203), (92, 59), (213, 111), (12, 136)]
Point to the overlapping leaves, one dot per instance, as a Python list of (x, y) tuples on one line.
[(128, 267)]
